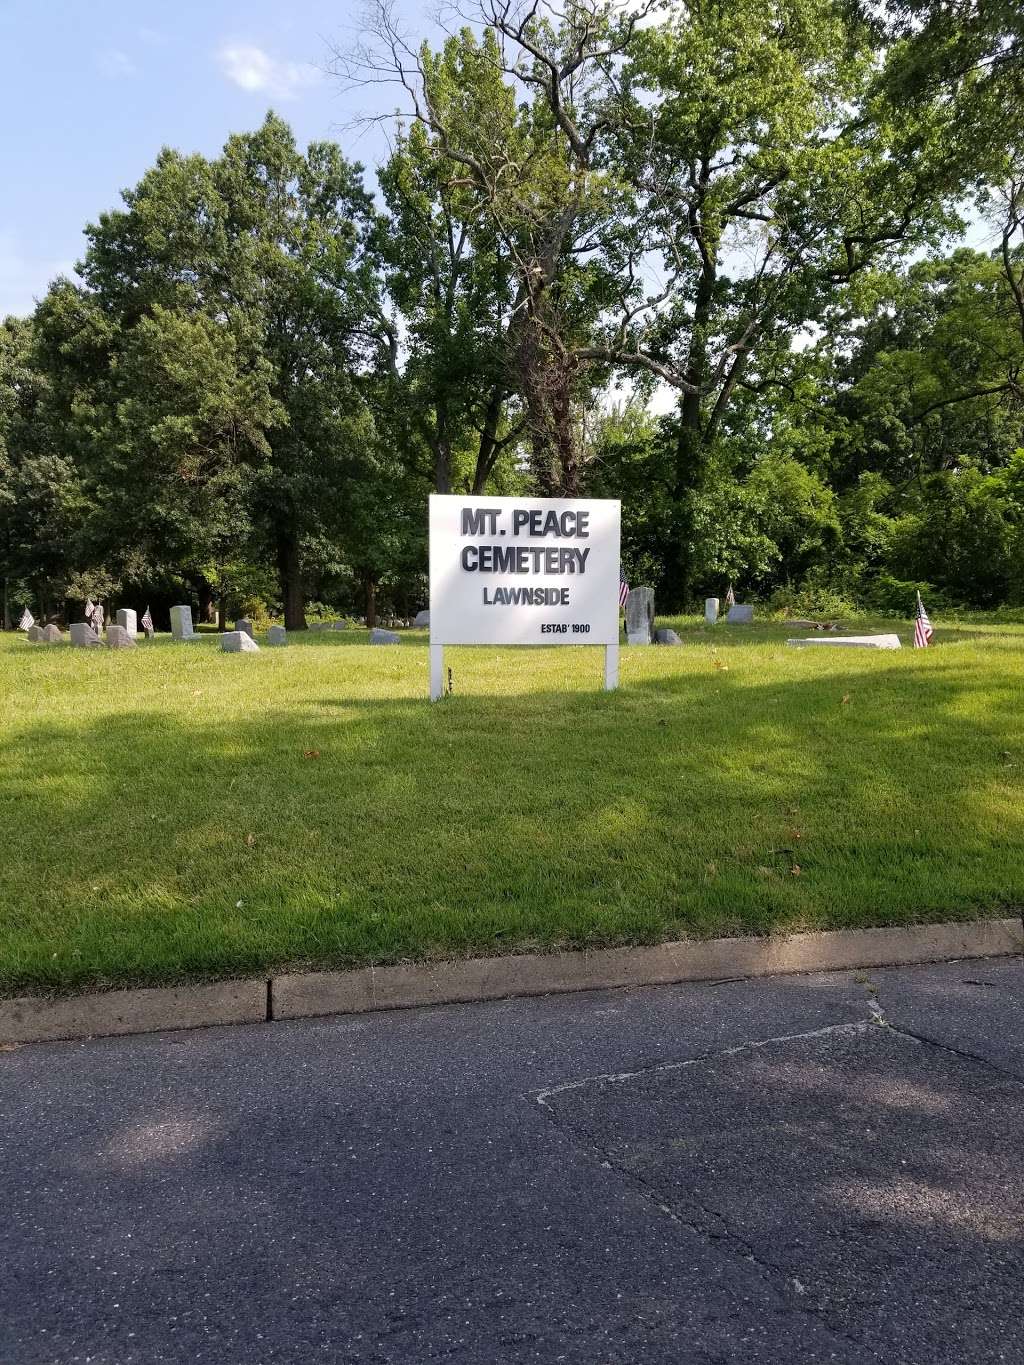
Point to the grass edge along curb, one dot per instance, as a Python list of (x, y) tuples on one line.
[(30, 1019)]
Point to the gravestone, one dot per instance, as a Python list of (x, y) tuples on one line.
[(740, 614), (640, 616), (711, 610), (852, 641), (277, 635), (384, 637), (83, 635), (245, 624), (181, 624), (128, 621), (34, 633), (118, 637), (238, 642), (666, 637), (422, 618), (51, 635), (339, 625)]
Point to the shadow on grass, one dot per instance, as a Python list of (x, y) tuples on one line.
[(343, 830)]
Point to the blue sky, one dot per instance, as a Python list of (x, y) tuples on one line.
[(92, 89)]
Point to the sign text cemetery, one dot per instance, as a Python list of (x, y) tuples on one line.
[(523, 571)]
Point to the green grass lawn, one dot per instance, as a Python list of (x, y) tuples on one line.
[(178, 812)]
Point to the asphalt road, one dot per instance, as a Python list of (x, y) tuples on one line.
[(805, 1169)]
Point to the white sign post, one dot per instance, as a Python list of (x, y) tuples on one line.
[(523, 571)]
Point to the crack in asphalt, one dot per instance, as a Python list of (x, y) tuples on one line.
[(708, 1223)]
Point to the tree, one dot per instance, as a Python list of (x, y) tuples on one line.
[(745, 153), (40, 500), (446, 276), (257, 268)]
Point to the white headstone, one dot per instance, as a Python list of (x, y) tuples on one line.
[(237, 642), (640, 616), (128, 621), (711, 610), (852, 641), (181, 623)]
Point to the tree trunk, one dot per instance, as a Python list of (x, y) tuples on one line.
[(371, 604), (7, 607), (442, 451), (222, 614), (289, 570), (691, 469), (488, 450), (206, 609)]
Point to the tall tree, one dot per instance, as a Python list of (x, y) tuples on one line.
[(446, 276), (258, 266), (744, 155)]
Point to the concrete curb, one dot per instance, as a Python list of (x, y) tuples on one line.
[(305, 995), (30, 1019)]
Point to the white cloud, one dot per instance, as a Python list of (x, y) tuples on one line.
[(114, 63), (255, 71), (24, 278)]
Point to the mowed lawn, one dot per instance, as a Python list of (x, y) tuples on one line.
[(176, 812)]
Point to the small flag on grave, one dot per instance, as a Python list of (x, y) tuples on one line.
[(147, 622), (27, 620), (623, 591), (730, 597), (922, 626)]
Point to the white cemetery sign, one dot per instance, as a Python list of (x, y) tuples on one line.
[(523, 571)]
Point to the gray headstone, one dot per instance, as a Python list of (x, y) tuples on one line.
[(853, 641), (237, 642), (277, 635), (640, 616), (711, 610), (422, 618), (245, 624), (118, 638), (384, 637), (51, 635), (83, 635), (740, 614), (128, 621), (666, 637), (34, 633), (181, 623), (339, 625)]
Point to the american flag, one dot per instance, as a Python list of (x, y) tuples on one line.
[(922, 626), (89, 609), (623, 591), (730, 597), (27, 620), (147, 622)]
